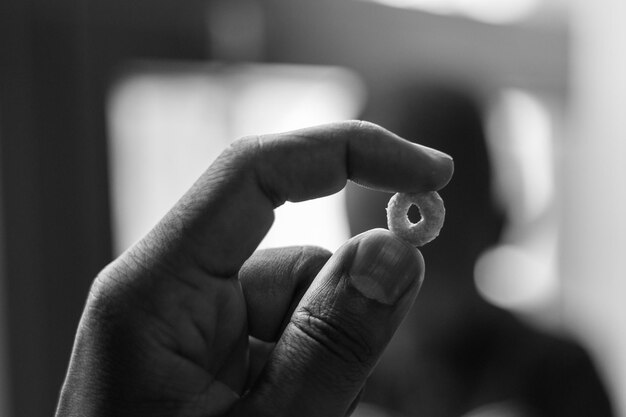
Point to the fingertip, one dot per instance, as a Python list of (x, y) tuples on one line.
[(340, 327), (442, 167), (384, 267), (447, 170)]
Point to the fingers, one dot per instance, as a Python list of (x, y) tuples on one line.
[(339, 329), (273, 282), (222, 219)]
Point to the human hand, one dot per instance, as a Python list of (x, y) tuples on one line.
[(171, 327)]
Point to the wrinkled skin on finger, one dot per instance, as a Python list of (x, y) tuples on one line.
[(166, 328)]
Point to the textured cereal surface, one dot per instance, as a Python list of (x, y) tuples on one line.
[(431, 210)]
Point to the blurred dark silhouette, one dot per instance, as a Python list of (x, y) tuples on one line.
[(56, 66), (456, 352)]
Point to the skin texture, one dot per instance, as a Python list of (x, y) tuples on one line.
[(191, 321)]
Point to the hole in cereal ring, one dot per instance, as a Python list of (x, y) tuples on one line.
[(428, 204)]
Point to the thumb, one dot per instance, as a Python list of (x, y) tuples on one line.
[(339, 329)]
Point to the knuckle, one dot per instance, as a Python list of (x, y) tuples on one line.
[(256, 155), (246, 143), (337, 337), (242, 152), (315, 252), (311, 259), (363, 126), (240, 155), (111, 290)]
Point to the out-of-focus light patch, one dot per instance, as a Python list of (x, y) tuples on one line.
[(487, 11), (521, 274), (511, 277), (282, 98), (167, 125), (320, 222), (164, 130), (501, 409), (521, 136), (270, 106)]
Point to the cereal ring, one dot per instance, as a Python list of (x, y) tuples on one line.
[(431, 209)]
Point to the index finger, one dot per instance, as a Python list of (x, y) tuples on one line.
[(221, 220)]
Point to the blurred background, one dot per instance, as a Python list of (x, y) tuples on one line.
[(110, 110)]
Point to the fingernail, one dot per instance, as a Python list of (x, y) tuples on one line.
[(384, 267)]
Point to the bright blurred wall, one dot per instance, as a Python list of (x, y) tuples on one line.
[(168, 122), (594, 177)]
